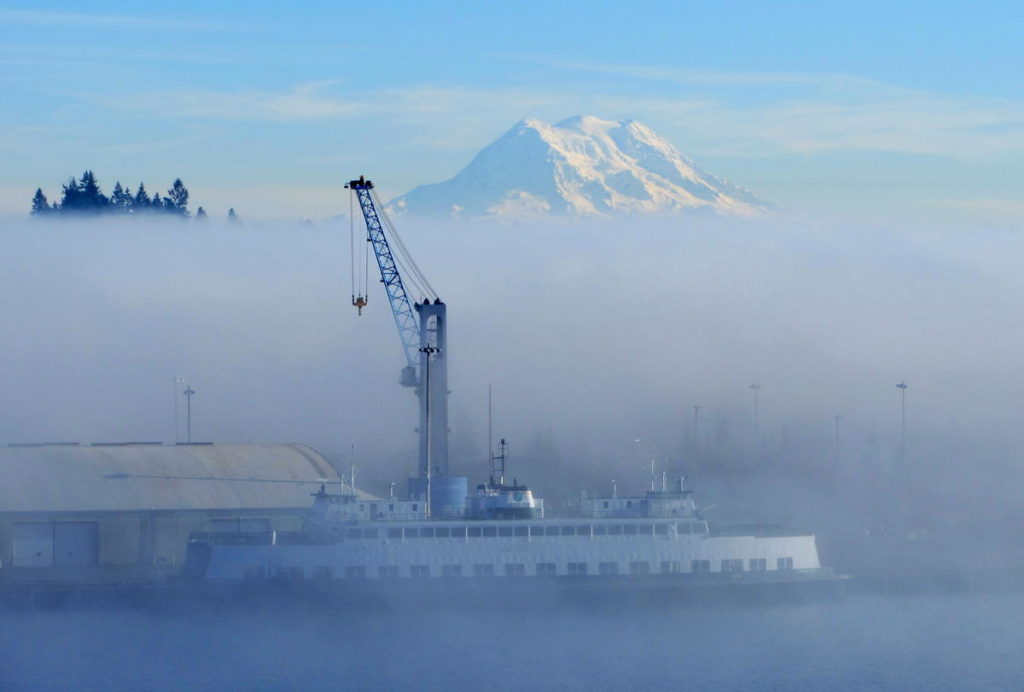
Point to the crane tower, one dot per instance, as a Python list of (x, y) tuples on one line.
[(422, 328)]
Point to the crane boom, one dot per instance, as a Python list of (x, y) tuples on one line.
[(398, 297)]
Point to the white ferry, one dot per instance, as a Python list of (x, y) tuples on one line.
[(502, 539)]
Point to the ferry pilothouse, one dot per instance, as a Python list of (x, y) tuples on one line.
[(502, 538)]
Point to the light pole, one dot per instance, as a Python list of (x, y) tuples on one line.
[(838, 418), (696, 427), (902, 386), (428, 351), (188, 410), (757, 443)]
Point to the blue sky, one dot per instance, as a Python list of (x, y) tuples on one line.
[(867, 110)]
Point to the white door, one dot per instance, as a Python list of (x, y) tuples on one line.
[(75, 544), (33, 544)]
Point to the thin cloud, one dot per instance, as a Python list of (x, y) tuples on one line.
[(49, 18), (708, 77), (301, 102), (882, 118)]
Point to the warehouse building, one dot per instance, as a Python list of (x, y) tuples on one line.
[(123, 513)]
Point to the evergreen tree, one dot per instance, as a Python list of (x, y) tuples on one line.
[(178, 196), (71, 196), (200, 214), (157, 204), (39, 204), (92, 198), (119, 199), (141, 201), (233, 217)]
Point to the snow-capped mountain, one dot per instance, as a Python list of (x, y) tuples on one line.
[(582, 165)]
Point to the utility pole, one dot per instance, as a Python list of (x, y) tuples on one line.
[(188, 410), (902, 386), (428, 351), (757, 442)]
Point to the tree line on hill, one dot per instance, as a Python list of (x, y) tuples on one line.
[(84, 196)]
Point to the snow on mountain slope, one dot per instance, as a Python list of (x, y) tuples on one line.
[(583, 166)]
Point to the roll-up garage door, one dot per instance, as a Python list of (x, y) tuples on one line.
[(33, 544)]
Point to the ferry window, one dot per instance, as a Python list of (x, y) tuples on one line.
[(522, 531), (605, 504), (323, 573), (490, 531), (683, 527), (646, 529), (784, 563), (732, 565), (419, 571), (442, 532), (296, 573), (577, 568), (427, 532), (615, 530), (505, 531), (670, 567), (536, 530), (391, 508), (370, 533), (415, 506), (639, 568), (387, 571), (550, 530), (545, 569), (661, 529), (583, 530), (629, 503), (458, 532), (473, 531), (451, 570), (483, 570), (515, 569), (411, 532), (568, 530), (700, 566), (629, 529), (607, 568), (353, 533), (355, 572), (394, 533), (600, 530), (759, 564)]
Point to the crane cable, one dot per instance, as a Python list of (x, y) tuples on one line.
[(415, 275), (352, 244)]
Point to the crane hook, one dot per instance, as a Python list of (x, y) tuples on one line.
[(359, 302)]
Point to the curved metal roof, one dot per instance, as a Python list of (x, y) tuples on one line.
[(76, 478)]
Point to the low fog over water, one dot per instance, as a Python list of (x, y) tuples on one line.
[(593, 335), (598, 339)]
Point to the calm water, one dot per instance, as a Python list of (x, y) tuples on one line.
[(958, 642)]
